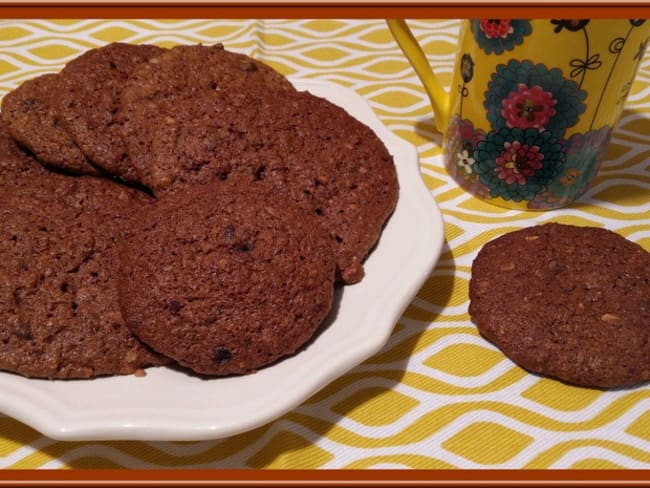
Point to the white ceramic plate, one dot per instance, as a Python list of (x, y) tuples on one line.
[(169, 405)]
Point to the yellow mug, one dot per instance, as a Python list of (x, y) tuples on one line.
[(532, 103)]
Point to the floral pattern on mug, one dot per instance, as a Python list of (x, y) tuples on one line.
[(528, 153), (499, 35), (466, 68), (466, 73), (573, 25), (528, 107), (583, 156), (516, 163), (462, 139), (557, 101), (581, 64)]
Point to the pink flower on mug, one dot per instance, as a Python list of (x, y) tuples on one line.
[(495, 28), (499, 35), (504, 90), (528, 107), (469, 135), (585, 152), (518, 162), (461, 136)]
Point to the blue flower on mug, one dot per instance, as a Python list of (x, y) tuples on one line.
[(516, 163), (498, 35), (528, 107), (584, 152), (536, 90)]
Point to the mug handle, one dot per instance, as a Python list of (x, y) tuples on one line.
[(437, 95)]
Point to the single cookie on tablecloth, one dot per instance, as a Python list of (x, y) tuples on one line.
[(226, 280), (567, 302), (59, 311), (29, 114), (88, 99)]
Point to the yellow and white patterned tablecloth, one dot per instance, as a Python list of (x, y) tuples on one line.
[(437, 395)]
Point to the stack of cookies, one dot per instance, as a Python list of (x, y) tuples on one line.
[(183, 205)]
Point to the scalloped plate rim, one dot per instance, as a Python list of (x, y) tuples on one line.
[(168, 405)]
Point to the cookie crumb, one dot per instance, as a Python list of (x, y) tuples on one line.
[(610, 318)]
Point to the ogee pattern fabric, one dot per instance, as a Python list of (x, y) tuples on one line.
[(437, 395)]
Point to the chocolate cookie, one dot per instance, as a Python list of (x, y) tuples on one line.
[(17, 168), (197, 72), (568, 302), (59, 310), (30, 116), (331, 162), (325, 159), (89, 96), (226, 281)]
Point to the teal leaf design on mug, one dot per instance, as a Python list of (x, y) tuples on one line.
[(499, 35), (584, 154), (562, 95), (516, 163)]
